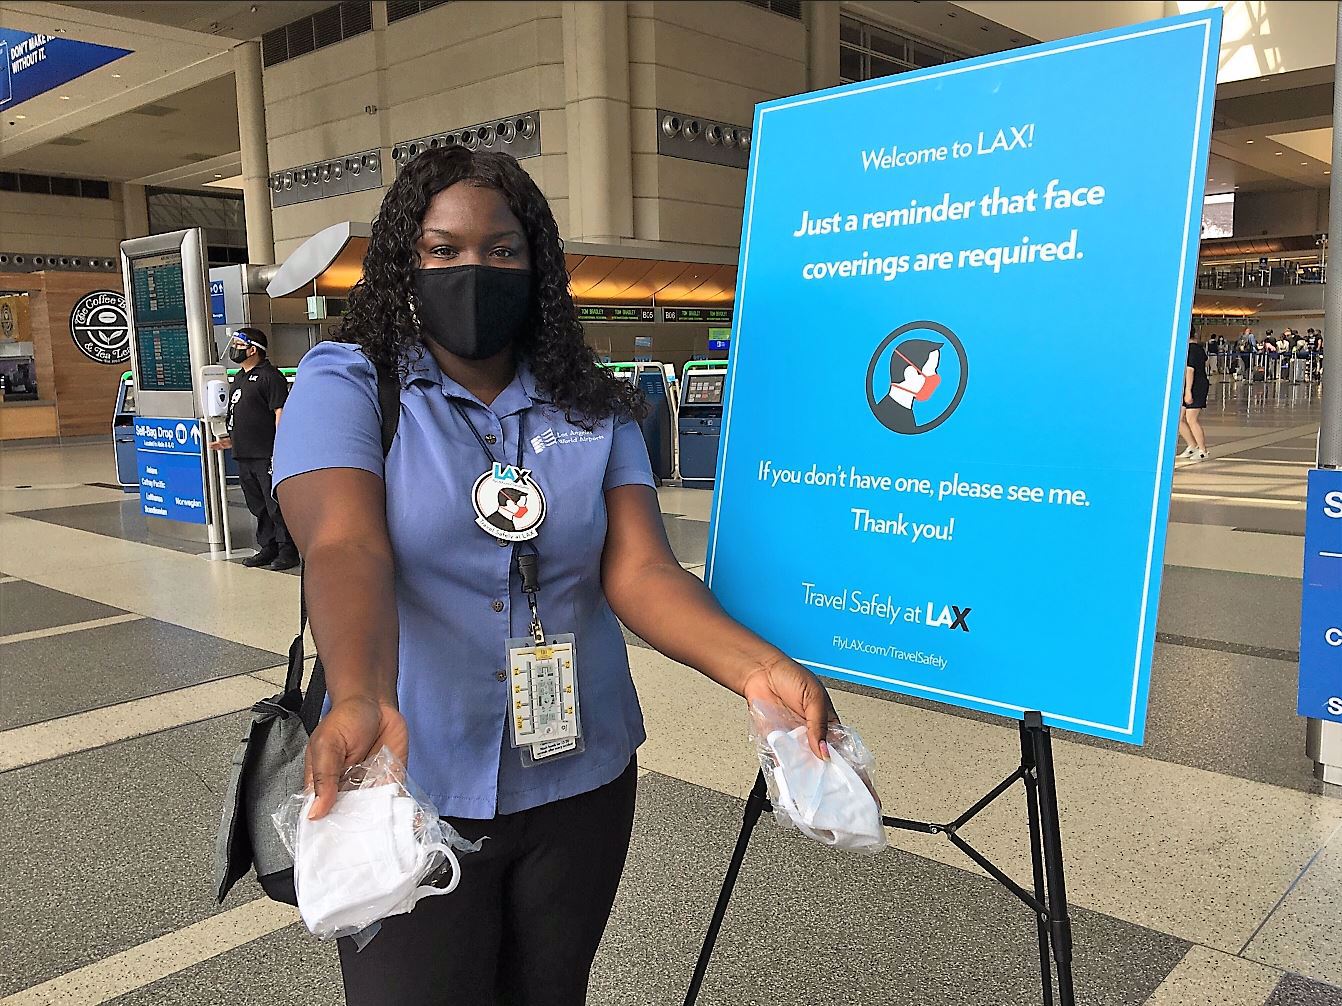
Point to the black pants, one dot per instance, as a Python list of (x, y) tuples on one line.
[(254, 477), (524, 924)]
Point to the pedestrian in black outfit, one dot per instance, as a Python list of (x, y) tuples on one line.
[(254, 408)]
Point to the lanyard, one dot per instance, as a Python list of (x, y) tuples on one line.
[(521, 433), (528, 562)]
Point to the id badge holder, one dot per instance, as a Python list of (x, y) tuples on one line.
[(543, 708)]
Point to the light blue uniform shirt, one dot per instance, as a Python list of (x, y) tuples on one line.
[(451, 575)]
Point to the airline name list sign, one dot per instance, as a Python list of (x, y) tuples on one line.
[(928, 482)]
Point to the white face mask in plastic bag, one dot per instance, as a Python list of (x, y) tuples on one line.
[(826, 800), (364, 861)]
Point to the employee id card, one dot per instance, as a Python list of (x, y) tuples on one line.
[(543, 697)]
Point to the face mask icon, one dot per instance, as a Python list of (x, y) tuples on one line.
[(513, 504), (913, 400), (930, 381)]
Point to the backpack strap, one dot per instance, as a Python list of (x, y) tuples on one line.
[(389, 408)]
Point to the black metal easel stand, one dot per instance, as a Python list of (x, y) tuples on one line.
[(1048, 900)]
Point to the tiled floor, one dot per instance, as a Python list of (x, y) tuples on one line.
[(1204, 868)]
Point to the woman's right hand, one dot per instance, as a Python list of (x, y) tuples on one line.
[(354, 729)]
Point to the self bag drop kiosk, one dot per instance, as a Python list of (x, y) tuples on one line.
[(177, 385), (659, 424), (699, 426), (123, 433), (123, 430)]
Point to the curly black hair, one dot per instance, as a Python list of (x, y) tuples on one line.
[(379, 320)]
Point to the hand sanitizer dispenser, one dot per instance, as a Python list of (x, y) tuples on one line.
[(213, 392)]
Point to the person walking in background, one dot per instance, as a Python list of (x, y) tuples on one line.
[(1194, 401), (1213, 348), (259, 394), (1245, 350)]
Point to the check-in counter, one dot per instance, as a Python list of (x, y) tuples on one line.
[(28, 420), (24, 414)]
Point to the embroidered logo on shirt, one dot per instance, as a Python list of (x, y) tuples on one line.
[(548, 438), (543, 441)]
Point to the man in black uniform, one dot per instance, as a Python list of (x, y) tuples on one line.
[(259, 393)]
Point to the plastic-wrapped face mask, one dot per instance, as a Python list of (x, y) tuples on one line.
[(826, 800), (364, 861)]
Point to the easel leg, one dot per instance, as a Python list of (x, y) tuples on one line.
[(755, 804), (1031, 777), (1060, 926)]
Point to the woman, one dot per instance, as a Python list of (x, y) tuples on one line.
[(414, 582), (1194, 401)]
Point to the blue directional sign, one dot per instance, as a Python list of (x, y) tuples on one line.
[(172, 469), (1321, 600), (218, 309), (32, 64), (905, 499)]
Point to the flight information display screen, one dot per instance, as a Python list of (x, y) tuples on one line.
[(158, 298), (704, 389)]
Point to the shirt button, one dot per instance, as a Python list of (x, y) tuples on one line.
[(501, 675), (491, 439), (498, 605)]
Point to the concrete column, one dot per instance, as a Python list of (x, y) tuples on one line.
[(383, 90), (134, 211), (822, 44), (255, 154), (596, 102)]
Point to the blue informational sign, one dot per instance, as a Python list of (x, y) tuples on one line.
[(1321, 600), (218, 312), (172, 468), (909, 493), (33, 64), (719, 344)]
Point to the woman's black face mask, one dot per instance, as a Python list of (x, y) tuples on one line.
[(473, 311)]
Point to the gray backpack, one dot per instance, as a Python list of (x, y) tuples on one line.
[(268, 764)]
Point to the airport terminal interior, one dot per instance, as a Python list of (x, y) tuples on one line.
[(1202, 867)]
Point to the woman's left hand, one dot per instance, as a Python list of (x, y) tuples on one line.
[(788, 684)]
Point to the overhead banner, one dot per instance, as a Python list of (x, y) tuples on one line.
[(1320, 693), (927, 482), (32, 64)]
